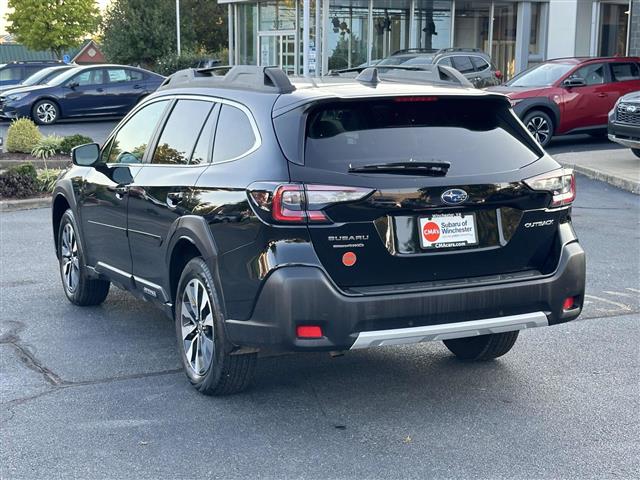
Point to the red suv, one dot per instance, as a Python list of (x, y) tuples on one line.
[(571, 95)]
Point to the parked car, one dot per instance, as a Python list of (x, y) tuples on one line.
[(13, 73), (571, 95), (40, 77), (474, 64), (321, 216), (91, 91), (624, 122)]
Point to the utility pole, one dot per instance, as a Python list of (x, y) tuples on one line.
[(178, 24)]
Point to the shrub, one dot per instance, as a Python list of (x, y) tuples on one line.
[(22, 136), (47, 179), (47, 147), (68, 143), (19, 182)]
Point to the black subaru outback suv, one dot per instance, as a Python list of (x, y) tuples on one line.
[(322, 216)]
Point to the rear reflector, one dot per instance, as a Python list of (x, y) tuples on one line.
[(349, 259), (569, 303), (309, 331), (561, 183)]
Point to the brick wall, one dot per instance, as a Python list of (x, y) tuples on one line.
[(634, 34)]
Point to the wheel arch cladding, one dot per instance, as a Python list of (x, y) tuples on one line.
[(192, 238), (547, 107), (59, 206)]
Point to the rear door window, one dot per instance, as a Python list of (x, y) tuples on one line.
[(180, 133), (463, 64), (624, 72), (474, 135)]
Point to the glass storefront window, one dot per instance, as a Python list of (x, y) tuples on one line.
[(277, 15), (347, 34), (503, 48), (537, 32), (613, 29), (247, 19), (472, 24), (432, 24), (390, 28)]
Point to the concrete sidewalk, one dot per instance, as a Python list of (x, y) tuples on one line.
[(615, 166)]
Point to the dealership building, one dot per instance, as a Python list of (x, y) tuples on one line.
[(315, 36)]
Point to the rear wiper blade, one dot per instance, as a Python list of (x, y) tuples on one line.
[(432, 169)]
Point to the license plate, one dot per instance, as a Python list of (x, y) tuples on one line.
[(448, 230)]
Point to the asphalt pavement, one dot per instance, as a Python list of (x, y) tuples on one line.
[(98, 393)]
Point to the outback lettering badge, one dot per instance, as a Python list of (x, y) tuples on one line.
[(541, 223)]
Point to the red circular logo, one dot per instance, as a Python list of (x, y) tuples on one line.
[(431, 231), (349, 259)]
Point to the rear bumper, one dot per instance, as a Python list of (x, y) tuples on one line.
[(303, 295)]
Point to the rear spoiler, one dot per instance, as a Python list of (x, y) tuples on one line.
[(418, 74)]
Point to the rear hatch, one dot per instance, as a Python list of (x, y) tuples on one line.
[(421, 190)]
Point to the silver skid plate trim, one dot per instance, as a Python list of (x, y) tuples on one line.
[(473, 328)]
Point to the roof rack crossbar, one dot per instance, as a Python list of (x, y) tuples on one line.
[(244, 77)]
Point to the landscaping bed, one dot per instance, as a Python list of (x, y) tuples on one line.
[(33, 162)]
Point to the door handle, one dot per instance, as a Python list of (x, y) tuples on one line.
[(173, 198), (121, 191), (137, 87), (100, 90), (602, 95)]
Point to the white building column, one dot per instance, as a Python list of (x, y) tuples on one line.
[(306, 33), (570, 28), (523, 33)]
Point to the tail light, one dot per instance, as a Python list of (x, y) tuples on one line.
[(498, 74), (301, 203), (561, 183)]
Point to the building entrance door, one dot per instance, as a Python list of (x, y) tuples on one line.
[(279, 49)]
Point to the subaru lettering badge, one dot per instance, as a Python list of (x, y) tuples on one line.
[(454, 196)]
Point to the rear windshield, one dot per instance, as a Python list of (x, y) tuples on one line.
[(474, 135)]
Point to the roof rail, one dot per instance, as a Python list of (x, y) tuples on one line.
[(20, 62), (414, 50), (459, 49), (241, 77), (415, 74)]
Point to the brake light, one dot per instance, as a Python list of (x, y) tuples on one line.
[(300, 203), (415, 99), (561, 183), (498, 74)]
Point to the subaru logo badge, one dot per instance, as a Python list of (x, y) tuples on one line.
[(454, 196)]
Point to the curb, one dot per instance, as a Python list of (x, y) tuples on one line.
[(26, 204), (619, 182)]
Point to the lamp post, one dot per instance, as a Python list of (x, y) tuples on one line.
[(178, 25)]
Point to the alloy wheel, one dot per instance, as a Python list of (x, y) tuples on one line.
[(197, 327), (46, 112), (539, 128), (70, 261)]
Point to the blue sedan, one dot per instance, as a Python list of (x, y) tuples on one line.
[(91, 91)]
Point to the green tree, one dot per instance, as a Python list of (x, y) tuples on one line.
[(142, 31), (55, 25)]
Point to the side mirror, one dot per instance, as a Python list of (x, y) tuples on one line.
[(72, 85), (574, 82), (86, 155)]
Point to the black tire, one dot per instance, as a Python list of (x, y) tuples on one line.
[(218, 371), (484, 347), (636, 152), (45, 112), (540, 125), (78, 286)]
